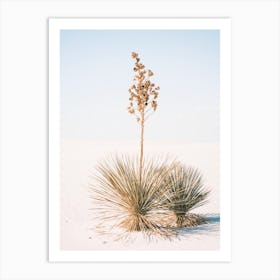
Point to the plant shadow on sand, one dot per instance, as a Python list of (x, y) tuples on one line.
[(211, 226)]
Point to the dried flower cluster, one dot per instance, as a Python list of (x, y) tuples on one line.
[(143, 93)]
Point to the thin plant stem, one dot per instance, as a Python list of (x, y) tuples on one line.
[(141, 147)]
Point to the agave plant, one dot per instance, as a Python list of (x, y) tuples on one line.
[(186, 193), (123, 202)]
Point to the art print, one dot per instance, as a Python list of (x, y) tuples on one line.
[(140, 132)]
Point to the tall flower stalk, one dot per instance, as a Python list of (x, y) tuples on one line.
[(142, 101)]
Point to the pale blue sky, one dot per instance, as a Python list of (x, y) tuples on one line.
[(96, 72)]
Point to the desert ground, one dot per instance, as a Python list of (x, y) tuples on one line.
[(78, 159)]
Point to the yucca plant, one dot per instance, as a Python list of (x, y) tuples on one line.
[(140, 194), (122, 202), (186, 193)]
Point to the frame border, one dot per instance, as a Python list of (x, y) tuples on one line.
[(224, 26)]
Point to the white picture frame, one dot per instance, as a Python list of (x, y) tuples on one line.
[(55, 27)]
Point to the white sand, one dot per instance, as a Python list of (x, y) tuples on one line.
[(77, 164)]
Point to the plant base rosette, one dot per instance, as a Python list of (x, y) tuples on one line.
[(156, 206)]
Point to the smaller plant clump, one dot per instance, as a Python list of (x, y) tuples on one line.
[(186, 193)]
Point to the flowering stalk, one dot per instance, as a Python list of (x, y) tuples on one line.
[(142, 101)]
